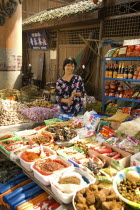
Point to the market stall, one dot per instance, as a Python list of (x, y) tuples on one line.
[(68, 154)]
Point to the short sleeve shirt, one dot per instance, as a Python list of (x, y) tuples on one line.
[(64, 89)]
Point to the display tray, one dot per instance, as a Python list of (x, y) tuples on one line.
[(47, 189), (10, 129)]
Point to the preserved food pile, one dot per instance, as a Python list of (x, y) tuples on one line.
[(10, 113)]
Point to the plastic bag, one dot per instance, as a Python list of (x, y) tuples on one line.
[(70, 188)]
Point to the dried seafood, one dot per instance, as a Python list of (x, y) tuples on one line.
[(61, 133)]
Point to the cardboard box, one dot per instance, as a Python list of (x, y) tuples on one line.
[(135, 159), (124, 161)]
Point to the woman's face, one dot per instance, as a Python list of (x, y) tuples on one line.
[(69, 68)]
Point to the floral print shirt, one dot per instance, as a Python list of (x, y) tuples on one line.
[(64, 89)]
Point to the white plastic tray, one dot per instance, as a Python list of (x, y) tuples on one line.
[(69, 149), (46, 179), (15, 157), (25, 133), (27, 165), (64, 197)]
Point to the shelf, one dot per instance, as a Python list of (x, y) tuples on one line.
[(126, 80), (122, 59), (124, 99), (117, 79)]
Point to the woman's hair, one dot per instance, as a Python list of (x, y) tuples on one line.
[(69, 60)]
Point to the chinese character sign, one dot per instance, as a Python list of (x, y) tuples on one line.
[(37, 40)]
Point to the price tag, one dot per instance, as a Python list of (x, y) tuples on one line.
[(108, 59)]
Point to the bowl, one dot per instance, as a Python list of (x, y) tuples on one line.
[(121, 176)]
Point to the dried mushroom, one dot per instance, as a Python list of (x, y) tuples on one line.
[(61, 133)]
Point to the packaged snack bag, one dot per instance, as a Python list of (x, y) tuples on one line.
[(110, 53), (104, 134), (135, 113), (126, 110), (115, 53), (130, 49), (136, 51), (122, 51)]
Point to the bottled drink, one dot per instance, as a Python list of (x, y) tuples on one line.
[(119, 71), (135, 74), (110, 71), (107, 71), (115, 72), (131, 72), (125, 75), (122, 71)]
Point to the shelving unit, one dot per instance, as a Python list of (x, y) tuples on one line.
[(117, 79)]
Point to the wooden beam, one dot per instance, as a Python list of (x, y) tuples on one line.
[(47, 4), (99, 63), (84, 40), (81, 27), (60, 1), (39, 6), (26, 5), (123, 16), (29, 13), (57, 58)]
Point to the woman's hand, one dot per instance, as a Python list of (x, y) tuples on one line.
[(67, 100), (70, 101), (72, 95), (78, 94)]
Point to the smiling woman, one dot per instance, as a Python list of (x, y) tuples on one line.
[(70, 89)]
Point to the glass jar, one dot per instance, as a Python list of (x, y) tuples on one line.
[(112, 93), (107, 86), (121, 94), (113, 85), (120, 88), (107, 93), (117, 94)]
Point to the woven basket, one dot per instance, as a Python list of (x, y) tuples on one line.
[(9, 93), (29, 91)]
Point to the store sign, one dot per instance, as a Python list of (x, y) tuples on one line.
[(37, 40)]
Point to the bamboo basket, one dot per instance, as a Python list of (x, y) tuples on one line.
[(29, 91), (11, 94)]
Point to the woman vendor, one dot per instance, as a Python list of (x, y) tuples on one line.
[(70, 89)]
